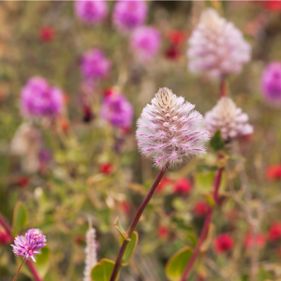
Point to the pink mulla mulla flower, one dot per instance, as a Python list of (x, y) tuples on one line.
[(216, 47), (271, 83), (145, 42), (223, 243), (128, 14), (40, 99), (170, 129), (29, 244), (117, 110), (229, 119), (94, 65), (91, 11)]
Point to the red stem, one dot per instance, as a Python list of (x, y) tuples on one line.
[(29, 263), (223, 90), (206, 226), (134, 223)]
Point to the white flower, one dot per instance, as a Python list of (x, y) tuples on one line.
[(169, 129), (216, 47), (229, 119), (91, 253)]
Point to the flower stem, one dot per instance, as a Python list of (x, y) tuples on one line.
[(134, 223), (206, 226), (223, 89), (18, 271), (29, 263)]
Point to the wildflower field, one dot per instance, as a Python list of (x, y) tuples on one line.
[(140, 140)]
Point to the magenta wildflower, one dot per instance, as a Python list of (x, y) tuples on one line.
[(128, 15), (117, 110), (145, 42), (39, 99), (91, 11), (94, 65), (170, 129), (30, 244), (271, 83)]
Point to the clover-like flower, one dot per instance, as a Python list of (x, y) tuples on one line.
[(169, 129), (30, 244)]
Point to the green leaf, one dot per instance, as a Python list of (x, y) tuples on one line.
[(204, 181), (131, 247), (102, 270), (177, 263), (43, 261), (217, 143), (19, 218)]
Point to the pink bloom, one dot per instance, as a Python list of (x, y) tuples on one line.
[(273, 172), (117, 110), (170, 129), (39, 99), (128, 15), (91, 11), (145, 42), (30, 244), (106, 168), (254, 240), (163, 232), (164, 183), (274, 233), (201, 209), (216, 47), (182, 186), (47, 34), (271, 83), (223, 243), (94, 65)]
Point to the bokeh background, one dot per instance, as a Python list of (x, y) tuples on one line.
[(89, 168)]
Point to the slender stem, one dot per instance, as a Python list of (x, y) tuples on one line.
[(206, 226), (134, 223), (18, 271), (29, 263), (223, 90)]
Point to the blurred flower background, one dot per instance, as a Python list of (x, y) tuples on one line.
[(74, 78)]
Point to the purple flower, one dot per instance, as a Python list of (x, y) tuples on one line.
[(39, 99), (271, 83), (94, 65), (30, 244), (145, 42), (91, 11), (117, 110), (128, 15)]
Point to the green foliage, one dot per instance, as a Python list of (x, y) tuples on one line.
[(176, 264), (131, 247), (217, 143), (43, 262), (102, 270), (19, 218)]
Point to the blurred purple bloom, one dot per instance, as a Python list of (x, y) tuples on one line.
[(117, 110), (40, 99), (128, 15), (94, 65), (91, 11), (145, 42), (271, 83), (30, 244)]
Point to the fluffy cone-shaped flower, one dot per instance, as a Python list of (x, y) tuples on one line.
[(229, 119), (169, 129), (216, 47)]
